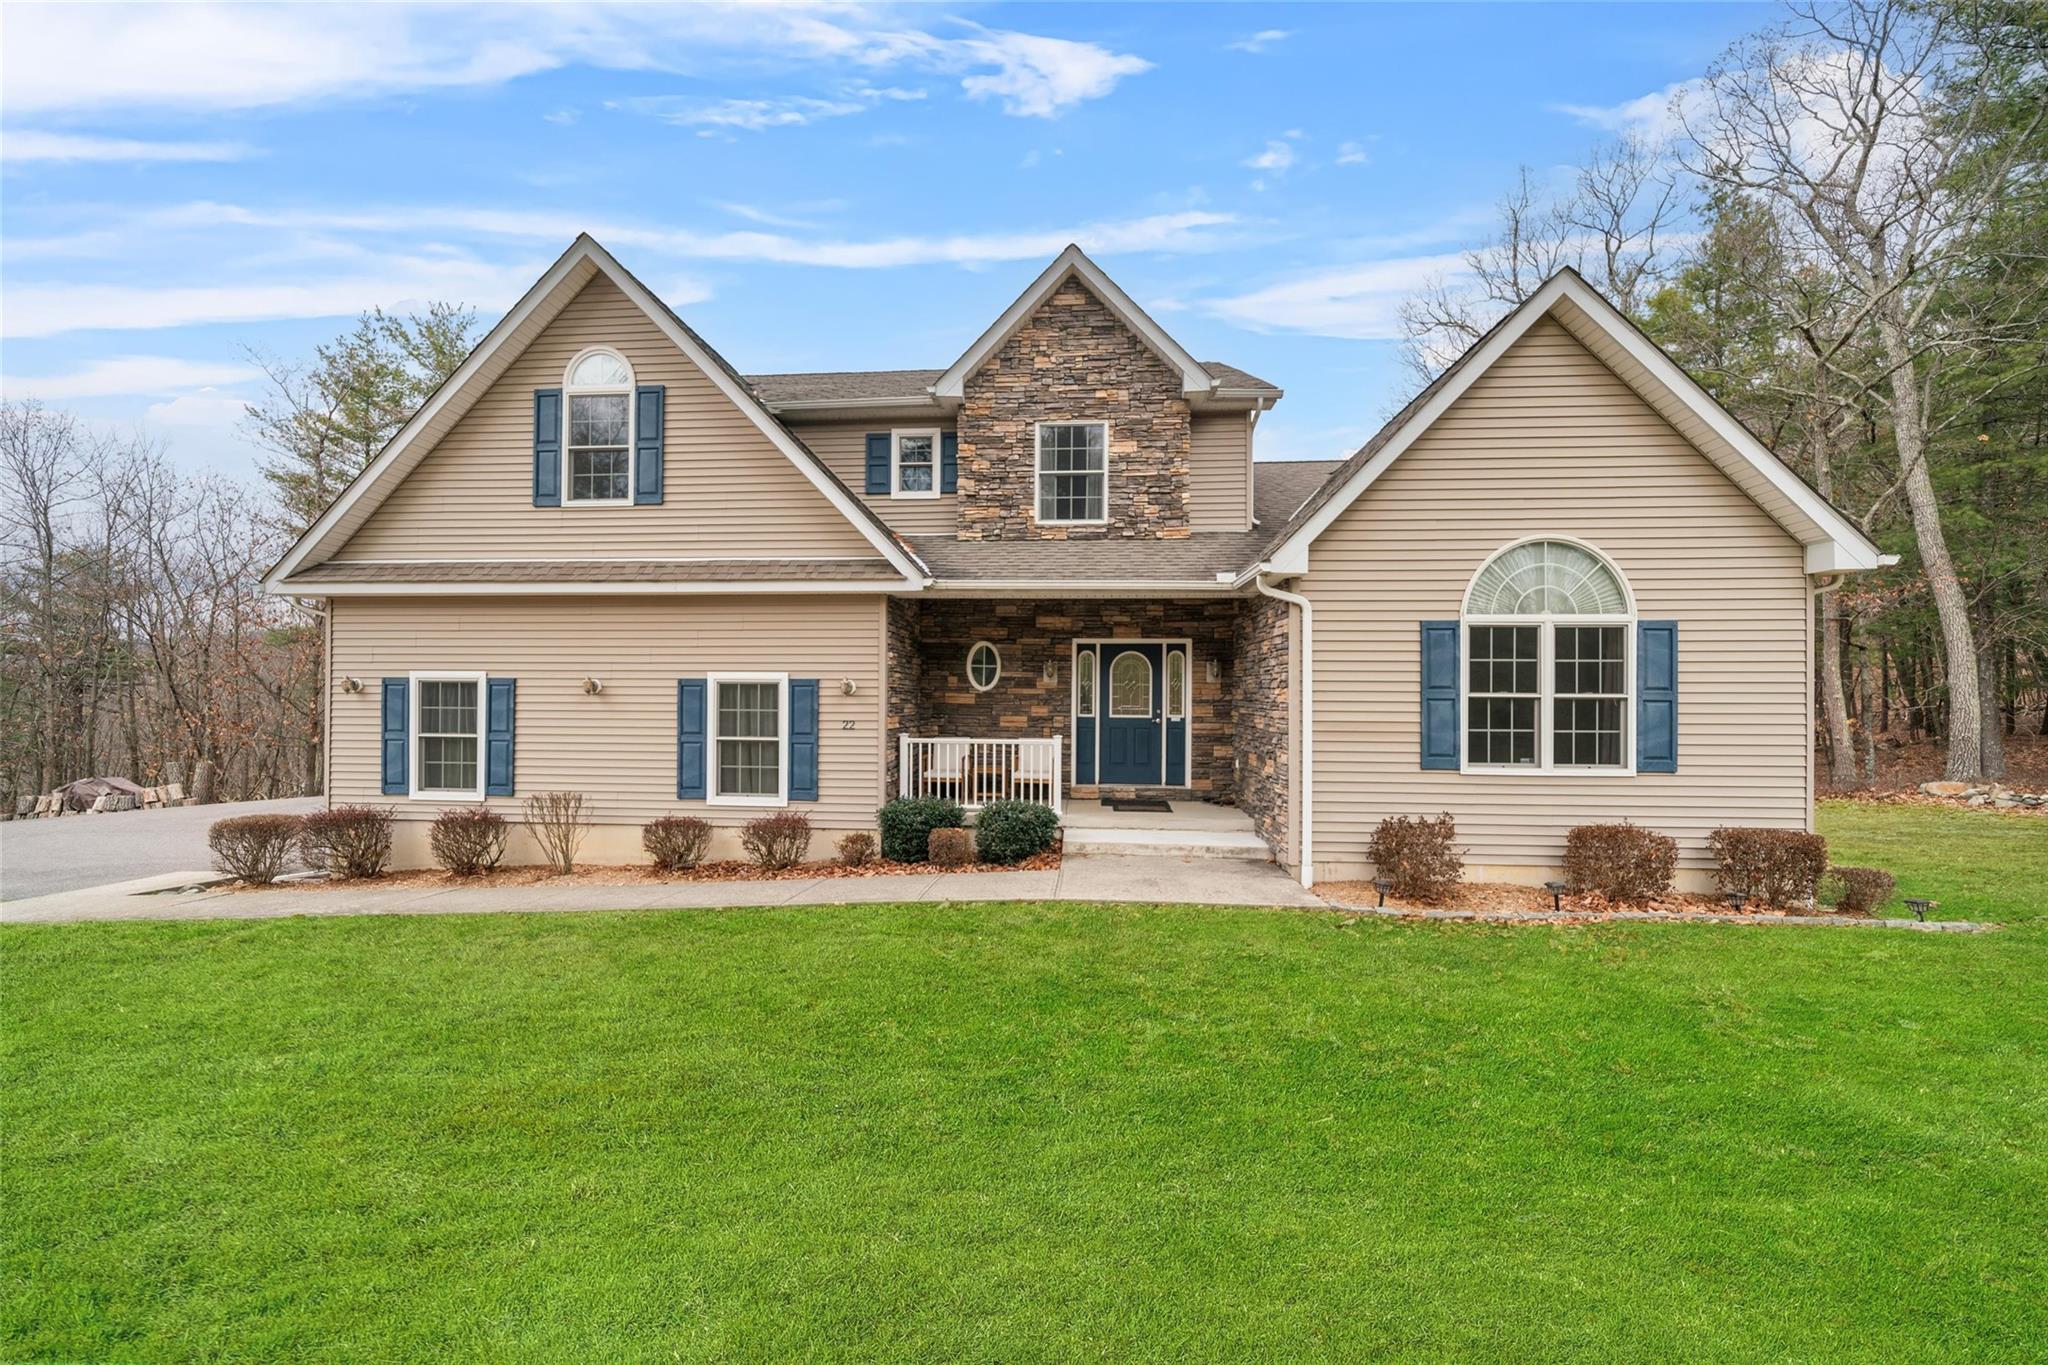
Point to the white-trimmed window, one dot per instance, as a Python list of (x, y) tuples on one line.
[(914, 464), (1549, 677), (1084, 683), (984, 666), (1176, 684), (749, 722), (1073, 473), (448, 736), (597, 440), (1130, 685)]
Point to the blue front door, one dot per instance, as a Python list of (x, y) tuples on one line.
[(1130, 692)]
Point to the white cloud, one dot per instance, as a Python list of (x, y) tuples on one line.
[(1352, 154), (1042, 77), (789, 111), (1361, 301), (207, 408), (564, 117), (30, 145), (1277, 157), (1261, 40), (128, 374), (1655, 116), (209, 57)]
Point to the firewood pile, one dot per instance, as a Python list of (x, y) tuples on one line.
[(97, 796)]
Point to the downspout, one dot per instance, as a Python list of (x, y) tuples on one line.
[(1308, 722)]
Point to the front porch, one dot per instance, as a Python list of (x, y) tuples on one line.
[(1065, 703)]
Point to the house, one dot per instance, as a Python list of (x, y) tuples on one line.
[(1560, 586)]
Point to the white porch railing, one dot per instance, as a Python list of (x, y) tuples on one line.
[(975, 772)]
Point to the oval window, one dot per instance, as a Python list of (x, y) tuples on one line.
[(1084, 682), (1130, 685), (984, 666)]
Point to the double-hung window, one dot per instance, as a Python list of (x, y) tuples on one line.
[(914, 463), (749, 738), (1073, 472), (1549, 673), (597, 451), (447, 725)]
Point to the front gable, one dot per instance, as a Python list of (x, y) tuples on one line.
[(728, 492), (469, 477)]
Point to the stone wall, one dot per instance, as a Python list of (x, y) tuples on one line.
[(1261, 689), (1025, 704), (1073, 360), (903, 694)]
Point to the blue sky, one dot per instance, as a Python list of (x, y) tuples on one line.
[(844, 186)]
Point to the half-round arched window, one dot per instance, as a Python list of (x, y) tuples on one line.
[(597, 444), (1130, 685), (1549, 676)]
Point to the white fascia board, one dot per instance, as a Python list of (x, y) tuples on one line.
[(460, 588), (1843, 539), (396, 447), (1195, 379)]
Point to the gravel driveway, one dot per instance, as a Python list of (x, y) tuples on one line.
[(42, 857)]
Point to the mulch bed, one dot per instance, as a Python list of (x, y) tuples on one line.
[(640, 874), (1490, 898)]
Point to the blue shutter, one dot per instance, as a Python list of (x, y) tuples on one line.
[(949, 462), (803, 739), (647, 403), (1440, 694), (878, 463), (547, 447), (498, 736), (690, 739), (397, 718), (1657, 696)]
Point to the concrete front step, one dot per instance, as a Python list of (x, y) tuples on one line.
[(1167, 843)]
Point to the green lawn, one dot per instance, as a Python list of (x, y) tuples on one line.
[(1038, 1132)]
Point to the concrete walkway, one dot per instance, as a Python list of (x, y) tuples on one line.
[(1203, 881)]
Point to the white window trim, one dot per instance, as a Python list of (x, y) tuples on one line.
[(415, 740), (1038, 471), (570, 391), (896, 488), (711, 756), (1546, 673), (990, 646)]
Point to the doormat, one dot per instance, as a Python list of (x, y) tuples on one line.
[(1148, 805)]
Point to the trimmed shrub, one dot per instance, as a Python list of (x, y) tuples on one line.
[(1621, 862), (1774, 867), (347, 841), (951, 847), (857, 849), (468, 839), (1857, 890), (556, 819), (907, 824), (779, 840), (1420, 855), (1011, 831), (253, 848), (676, 842)]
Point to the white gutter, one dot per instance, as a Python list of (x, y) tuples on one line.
[(1308, 724)]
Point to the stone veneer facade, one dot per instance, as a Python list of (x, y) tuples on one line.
[(1073, 360), (1024, 704), (1261, 698)]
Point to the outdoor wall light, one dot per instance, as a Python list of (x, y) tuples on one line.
[(351, 684), (1212, 670), (848, 687), (1051, 671), (1556, 890), (591, 687), (1383, 885)]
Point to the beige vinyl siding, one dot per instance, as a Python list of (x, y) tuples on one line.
[(728, 492), (1548, 441), (1220, 473), (843, 446), (619, 747)]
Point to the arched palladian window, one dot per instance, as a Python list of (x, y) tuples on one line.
[(1549, 678), (597, 447)]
